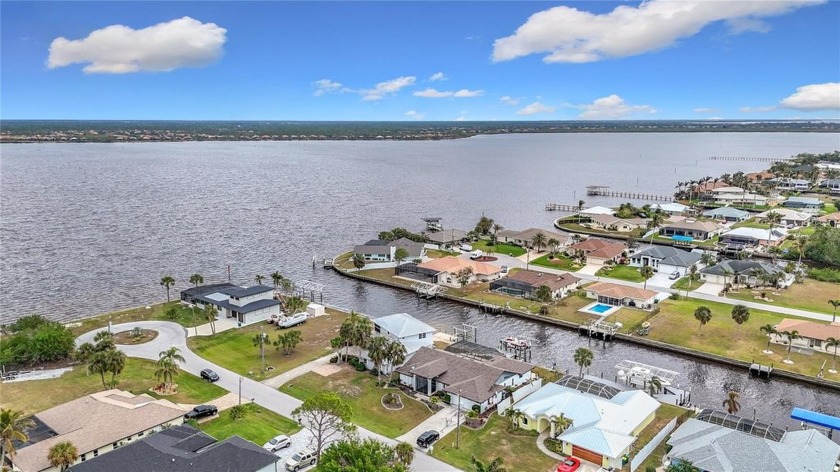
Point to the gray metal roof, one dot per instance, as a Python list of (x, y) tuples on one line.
[(208, 289), (726, 212), (247, 292), (248, 308), (670, 255), (740, 267)]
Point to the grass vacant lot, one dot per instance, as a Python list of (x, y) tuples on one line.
[(621, 272), (559, 262), (499, 248), (811, 295), (683, 284), (185, 316), (258, 426), (137, 377), (751, 223), (235, 350), (360, 391), (675, 324), (664, 414), (518, 450), (386, 275), (437, 253)]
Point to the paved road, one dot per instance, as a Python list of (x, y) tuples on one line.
[(173, 334)]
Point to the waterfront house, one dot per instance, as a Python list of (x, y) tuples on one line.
[(605, 421), (804, 203), (621, 295), (743, 237), (744, 272), (447, 237), (598, 251), (443, 271), (833, 185), (525, 238), (377, 250), (191, 295), (813, 334), (404, 328), (597, 210), (525, 283), (700, 230), (790, 184), (611, 223), (96, 424), (832, 219), (665, 259), (736, 196), (716, 441), (789, 217), (183, 448), (671, 208), (726, 214), (246, 304), (476, 381)]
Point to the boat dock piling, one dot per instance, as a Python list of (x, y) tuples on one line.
[(520, 352), (761, 371), (561, 207), (490, 308), (427, 290), (747, 158), (604, 191)]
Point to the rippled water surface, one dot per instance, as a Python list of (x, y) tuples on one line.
[(89, 228)]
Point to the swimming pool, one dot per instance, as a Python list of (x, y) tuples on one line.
[(601, 308)]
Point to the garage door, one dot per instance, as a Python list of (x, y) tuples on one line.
[(587, 455)]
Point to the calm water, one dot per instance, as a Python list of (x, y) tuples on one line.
[(91, 228)]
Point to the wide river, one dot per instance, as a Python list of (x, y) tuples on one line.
[(91, 228)]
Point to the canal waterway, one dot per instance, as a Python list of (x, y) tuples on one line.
[(92, 228)]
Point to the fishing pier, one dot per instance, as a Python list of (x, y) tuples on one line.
[(604, 191), (561, 207), (748, 158)]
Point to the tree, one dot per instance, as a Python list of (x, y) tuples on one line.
[(513, 417), (288, 341), (824, 246), (167, 281), (395, 356), (196, 279), (63, 455), (259, 278), (367, 455), (740, 314), (400, 255), (583, 358), (114, 363), (655, 385), (692, 275), (539, 240), (829, 343), (770, 330), (168, 367), (378, 351), (292, 305), (484, 225), (102, 357), (656, 220), (13, 428), (171, 313), (561, 423), (553, 243), (544, 294), (327, 417), (405, 451), (463, 277), (790, 336), (493, 466), (276, 278), (358, 261), (835, 304), (773, 217), (260, 340), (646, 272), (579, 209), (681, 466), (496, 228), (211, 313), (800, 243), (702, 314), (731, 403), (355, 331)]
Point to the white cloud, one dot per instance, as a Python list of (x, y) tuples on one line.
[(325, 86), (535, 108), (389, 87), (163, 47), (460, 118), (507, 100), (747, 25), (567, 34), (413, 114), (438, 76), (433, 93), (757, 109), (705, 110), (611, 107), (815, 97)]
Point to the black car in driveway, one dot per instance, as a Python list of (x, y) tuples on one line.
[(201, 411), (427, 438), (209, 375)]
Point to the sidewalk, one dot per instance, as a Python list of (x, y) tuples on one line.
[(276, 382)]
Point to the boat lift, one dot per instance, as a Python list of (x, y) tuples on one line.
[(819, 419)]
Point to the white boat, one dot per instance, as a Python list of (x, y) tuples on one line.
[(639, 375), (514, 342)]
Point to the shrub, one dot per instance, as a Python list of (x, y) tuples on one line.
[(674, 296), (374, 372), (333, 359), (447, 398), (28, 322), (825, 275), (650, 468), (476, 409), (360, 366), (237, 412)]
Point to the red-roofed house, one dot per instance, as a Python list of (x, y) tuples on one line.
[(599, 251)]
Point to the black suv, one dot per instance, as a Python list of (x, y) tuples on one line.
[(201, 411), (209, 375), (427, 438)]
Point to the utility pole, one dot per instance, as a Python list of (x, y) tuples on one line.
[(458, 433), (240, 390), (262, 348)]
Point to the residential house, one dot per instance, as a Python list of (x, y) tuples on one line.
[(832, 219), (744, 272), (605, 421), (96, 424), (184, 448), (671, 208), (611, 223), (739, 238), (525, 238), (598, 251), (726, 214), (813, 334), (700, 230), (665, 259), (827, 165), (525, 283), (808, 204), (790, 184), (789, 217), (377, 250), (736, 196), (833, 185), (246, 304), (621, 295), (447, 237), (476, 381), (597, 210), (716, 441), (408, 330), (190, 295), (443, 271)]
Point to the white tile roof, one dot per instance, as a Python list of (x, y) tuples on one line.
[(402, 325), (598, 210)]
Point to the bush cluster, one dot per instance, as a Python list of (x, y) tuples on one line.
[(35, 339), (825, 275)]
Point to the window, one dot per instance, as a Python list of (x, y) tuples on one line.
[(422, 336), (84, 457), (95, 452), (141, 433), (524, 420)]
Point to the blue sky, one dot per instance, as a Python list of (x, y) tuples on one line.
[(436, 61)]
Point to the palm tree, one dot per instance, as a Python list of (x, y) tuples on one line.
[(790, 336), (513, 416), (740, 314), (583, 358), (259, 278), (168, 367), (773, 217), (167, 281), (396, 354), (98, 364), (770, 330), (63, 455), (539, 241), (377, 351), (646, 272), (656, 220), (496, 228), (405, 453), (655, 385), (494, 466), (829, 343), (211, 313), (358, 261), (692, 274), (799, 243), (13, 427), (579, 209), (553, 243), (561, 423), (276, 278), (702, 314), (259, 341), (544, 294), (196, 279), (115, 363), (294, 305), (731, 403), (835, 304)]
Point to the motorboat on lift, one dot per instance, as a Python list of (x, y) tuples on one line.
[(516, 343)]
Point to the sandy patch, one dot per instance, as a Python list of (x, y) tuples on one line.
[(326, 370)]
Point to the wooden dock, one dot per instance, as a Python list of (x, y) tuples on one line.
[(561, 207), (748, 158), (490, 308), (602, 191), (761, 371)]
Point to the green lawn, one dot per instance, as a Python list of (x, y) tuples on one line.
[(683, 284), (185, 316), (811, 295), (499, 248), (664, 414), (437, 253), (360, 391), (258, 426), (137, 377), (235, 349), (828, 208), (558, 262), (621, 272), (752, 223), (518, 449)]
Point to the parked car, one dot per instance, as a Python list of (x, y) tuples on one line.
[(504, 269), (272, 319), (569, 464), (301, 459), (277, 442), (674, 275), (201, 411), (426, 439), (293, 320), (466, 247), (477, 254), (210, 375)]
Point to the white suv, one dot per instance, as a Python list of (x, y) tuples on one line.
[(300, 460), (277, 442)]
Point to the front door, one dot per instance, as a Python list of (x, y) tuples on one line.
[(421, 384)]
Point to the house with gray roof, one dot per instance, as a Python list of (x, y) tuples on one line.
[(246, 305), (377, 250), (718, 442), (740, 238), (833, 185), (744, 272), (525, 238), (403, 328), (447, 237), (477, 381), (183, 448), (665, 259), (803, 203), (190, 295), (525, 283), (726, 214)]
